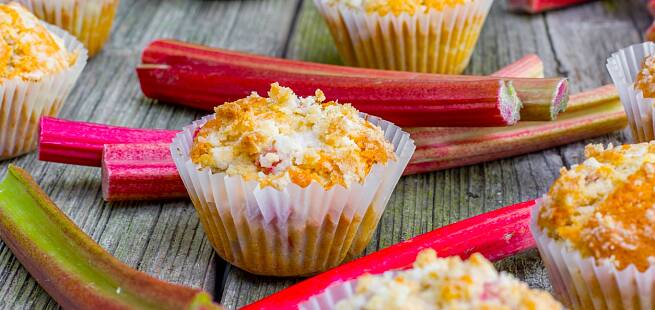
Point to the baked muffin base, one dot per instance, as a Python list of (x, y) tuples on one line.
[(23, 103), (293, 231), (432, 42)]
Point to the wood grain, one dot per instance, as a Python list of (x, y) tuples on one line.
[(165, 238)]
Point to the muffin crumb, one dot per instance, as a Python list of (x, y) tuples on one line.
[(446, 283), (287, 139), (605, 207)]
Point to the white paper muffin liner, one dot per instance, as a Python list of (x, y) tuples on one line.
[(328, 299), (88, 20), (588, 283), (623, 67), (294, 231), (436, 41), (23, 103)]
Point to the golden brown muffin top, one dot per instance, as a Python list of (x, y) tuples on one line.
[(605, 207), (27, 49), (446, 283), (646, 77), (397, 7), (285, 139)]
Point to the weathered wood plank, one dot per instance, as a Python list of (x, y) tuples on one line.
[(423, 202), (164, 239)]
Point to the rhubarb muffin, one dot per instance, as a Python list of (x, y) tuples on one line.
[(595, 229), (39, 64), (435, 283), (286, 185), (434, 36), (632, 70), (88, 20)]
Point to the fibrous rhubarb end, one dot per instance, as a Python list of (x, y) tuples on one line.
[(543, 99), (496, 235), (538, 6), (76, 271)]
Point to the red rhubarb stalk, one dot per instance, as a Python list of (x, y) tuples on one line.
[(76, 271), (591, 114), (488, 102), (538, 6), (140, 172), (195, 76), (496, 235), (81, 143)]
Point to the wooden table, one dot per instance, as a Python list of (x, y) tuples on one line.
[(165, 239)]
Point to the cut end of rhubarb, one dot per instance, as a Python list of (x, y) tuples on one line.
[(510, 104), (560, 99)]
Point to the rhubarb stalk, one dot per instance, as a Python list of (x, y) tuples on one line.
[(140, 172), (203, 77), (590, 114), (496, 235), (81, 143), (538, 6), (76, 271)]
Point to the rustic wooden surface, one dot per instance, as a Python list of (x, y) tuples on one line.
[(165, 238)]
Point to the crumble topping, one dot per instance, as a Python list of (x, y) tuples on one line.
[(646, 77), (397, 7), (27, 49), (446, 283), (286, 139), (605, 207)]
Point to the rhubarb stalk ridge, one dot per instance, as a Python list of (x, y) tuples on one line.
[(76, 271)]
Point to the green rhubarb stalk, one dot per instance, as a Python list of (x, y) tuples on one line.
[(76, 271)]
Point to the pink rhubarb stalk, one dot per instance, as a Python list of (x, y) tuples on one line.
[(140, 172), (197, 76), (496, 235), (538, 6), (81, 143), (590, 114)]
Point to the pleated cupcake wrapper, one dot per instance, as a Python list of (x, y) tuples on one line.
[(436, 41), (89, 21), (623, 67), (588, 283), (23, 103), (293, 231), (328, 299)]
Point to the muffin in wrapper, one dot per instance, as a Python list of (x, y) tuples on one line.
[(88, 20), (623, 67), (25, 102), (434, 41), (588, 283), (293, 231)]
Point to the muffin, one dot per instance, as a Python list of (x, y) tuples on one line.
[(433, 36), (40, 64), (287, 186), (632, 71), (595, 229), (435, 283), (88, 20)]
